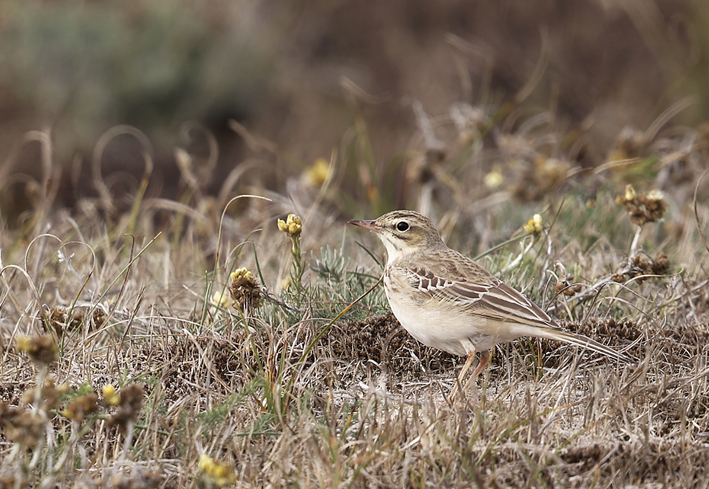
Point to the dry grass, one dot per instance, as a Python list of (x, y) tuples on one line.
[(294, 393)]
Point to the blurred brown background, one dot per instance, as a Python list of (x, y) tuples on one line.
[(300, 74)]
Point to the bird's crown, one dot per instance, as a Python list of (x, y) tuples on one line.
[(407, 225)]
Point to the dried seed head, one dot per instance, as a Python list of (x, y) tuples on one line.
[(49, 395), (640, 207), (559, 287), (57, 319), (661, 264), (41, 349), (77, 409), (536, 178), (630, 143), (618, 278), (129, 406), (20, 426), (567, 286), (245, 290), (138, 478)]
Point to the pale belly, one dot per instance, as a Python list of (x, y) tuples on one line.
[(458, 334)]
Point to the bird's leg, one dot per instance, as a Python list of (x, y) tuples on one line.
[(466, 367), (484, 360)]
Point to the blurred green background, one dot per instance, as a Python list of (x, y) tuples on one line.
[(301, 74)]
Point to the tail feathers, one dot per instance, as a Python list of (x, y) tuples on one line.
[(572, 338)]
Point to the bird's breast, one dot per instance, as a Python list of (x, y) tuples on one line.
[(435, 323)]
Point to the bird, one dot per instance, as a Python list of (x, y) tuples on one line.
[(447, 301)]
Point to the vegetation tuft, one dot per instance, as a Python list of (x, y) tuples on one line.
[(208, 342)]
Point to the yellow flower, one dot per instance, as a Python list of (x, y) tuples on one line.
[(221, 474), (538, 223), (286, 282), (629, 192), (110, 395), (292, 225), (241, 273), (220, 299), (655, 195), (493, 179), (534, 225), (205, 462), (318, 172)]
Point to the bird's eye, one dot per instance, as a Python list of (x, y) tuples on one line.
[(402, 226)]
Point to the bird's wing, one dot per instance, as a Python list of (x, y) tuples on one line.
[(484, 295), (491, 298), (488, 297)]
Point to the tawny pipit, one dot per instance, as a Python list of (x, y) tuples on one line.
[(446, 301)]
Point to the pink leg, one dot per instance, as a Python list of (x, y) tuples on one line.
[(466, 367), (484, 360)]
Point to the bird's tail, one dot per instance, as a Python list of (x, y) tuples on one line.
[(572, 338)]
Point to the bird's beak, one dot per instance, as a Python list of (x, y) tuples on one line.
[(370, 225)]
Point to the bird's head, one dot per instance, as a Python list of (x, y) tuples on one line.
[(403, 232)]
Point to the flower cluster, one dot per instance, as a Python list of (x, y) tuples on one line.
[(534, 225), (567, 286), (21, 426), (130, 402), (494, 179), (317, 174), (292, 225), (640, 267), (219, 474), (62, 319), (245, 290), (642, 208), (110, 395), (220, 299), (41, 349), (537, 178), (77, 409)]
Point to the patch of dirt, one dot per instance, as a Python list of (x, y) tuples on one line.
[(383, 340)]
